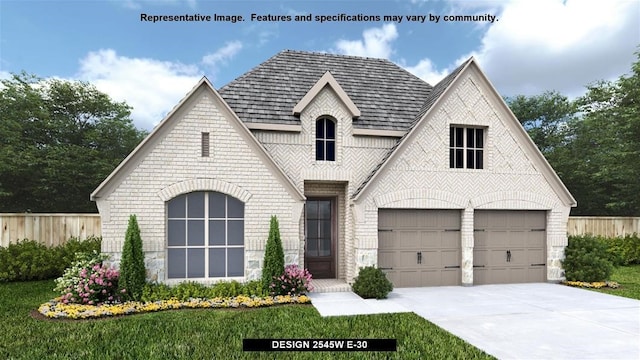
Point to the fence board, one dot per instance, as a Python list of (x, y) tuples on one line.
[(56, 229), (48, 229), (604, 226)]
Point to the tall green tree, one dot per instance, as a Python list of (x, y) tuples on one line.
[(545, 117), (273, 255), (132, 270), (607, 142), (593, 143), (58, 140)]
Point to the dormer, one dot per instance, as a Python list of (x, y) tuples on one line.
[(327, 80)]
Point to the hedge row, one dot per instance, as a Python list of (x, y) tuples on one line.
[(591, 258), (31, 260)]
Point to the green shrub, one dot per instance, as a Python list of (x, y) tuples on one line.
[(372, 283), (624, 250), (189, 289), (226, 289), (67, 251), (31, 260), (273, 255), (155, 292), (27, 260), (132, 270), (587, 259), (253, 288)]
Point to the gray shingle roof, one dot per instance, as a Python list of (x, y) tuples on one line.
[(388, 96), (433, 96)]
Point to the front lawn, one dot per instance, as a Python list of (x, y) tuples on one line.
[(205, 334), (629, 279)]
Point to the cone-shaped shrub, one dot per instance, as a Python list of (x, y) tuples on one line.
[(273, 255), (132, 271)]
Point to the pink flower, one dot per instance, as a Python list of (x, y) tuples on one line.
[(104, 291), (123, 291)]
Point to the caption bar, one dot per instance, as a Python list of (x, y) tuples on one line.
[(319, 344)]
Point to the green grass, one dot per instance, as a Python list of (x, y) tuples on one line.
[(206, 334), (629, 279)]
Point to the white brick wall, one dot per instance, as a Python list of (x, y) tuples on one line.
[(174, 166), (421, 178)]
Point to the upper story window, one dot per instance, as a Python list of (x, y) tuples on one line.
[(325, 139), (466, 147)]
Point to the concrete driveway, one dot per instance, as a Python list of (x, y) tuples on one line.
[(517, 321)]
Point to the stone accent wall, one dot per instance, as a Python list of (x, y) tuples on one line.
[(509, 180), (173, 165)]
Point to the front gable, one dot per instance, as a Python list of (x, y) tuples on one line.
[(512, 162)]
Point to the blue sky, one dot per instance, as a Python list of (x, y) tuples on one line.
[(534, 46)]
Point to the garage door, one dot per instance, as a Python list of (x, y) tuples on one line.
[(509, 247), (419, 247)]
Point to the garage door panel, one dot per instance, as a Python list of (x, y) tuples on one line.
[(416, 245), (450, 257), (522, 234), (535, 239), (386, 259), (480, 239), (385, 240), (450, 239), (407, 239), (430, 240), (518, 257), (536, 256)]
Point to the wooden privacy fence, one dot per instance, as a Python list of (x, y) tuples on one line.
[(604, 226), (56, 229), (48, 229)]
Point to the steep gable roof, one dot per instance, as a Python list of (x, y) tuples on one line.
[(387, 96), (438, 92), (131, 161)]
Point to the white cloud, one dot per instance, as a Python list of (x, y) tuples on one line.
[(556, 45), (150, 86), (222, 55), (552, 45), (376, 42), (427, 72)]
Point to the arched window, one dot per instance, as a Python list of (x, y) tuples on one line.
[(205, 236), (325, 139)]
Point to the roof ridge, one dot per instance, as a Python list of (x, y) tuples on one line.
[(325, 53)]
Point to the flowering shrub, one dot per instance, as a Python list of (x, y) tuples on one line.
[(88, 281), (294, 281), (71, 275)]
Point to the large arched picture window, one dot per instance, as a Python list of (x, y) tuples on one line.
[(205, 236), (325, 139)]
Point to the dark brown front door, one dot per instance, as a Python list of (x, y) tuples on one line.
[(320, 234)]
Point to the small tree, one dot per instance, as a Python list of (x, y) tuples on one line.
[(273, 255), (132, 270)]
